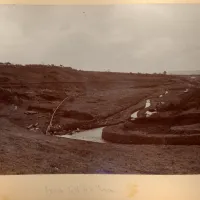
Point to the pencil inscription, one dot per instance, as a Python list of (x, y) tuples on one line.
[(74, 189)]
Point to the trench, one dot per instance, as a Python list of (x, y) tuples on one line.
[(95, 135)]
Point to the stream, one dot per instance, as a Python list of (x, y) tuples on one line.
[(94, 135), (148, 103), (135, 114)]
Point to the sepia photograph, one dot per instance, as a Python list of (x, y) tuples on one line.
[(90, 89)]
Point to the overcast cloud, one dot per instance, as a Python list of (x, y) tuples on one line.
[(137, 38)]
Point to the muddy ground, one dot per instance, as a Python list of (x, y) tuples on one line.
[(94, 98), (25, 153), (29, 95), (175, 121)]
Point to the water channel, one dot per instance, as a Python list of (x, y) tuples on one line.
[(94, 135)]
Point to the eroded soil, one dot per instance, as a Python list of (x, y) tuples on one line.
[(29, 95)]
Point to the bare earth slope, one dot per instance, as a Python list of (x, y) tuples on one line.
[(22, 153), (28, 96), (92, 96)]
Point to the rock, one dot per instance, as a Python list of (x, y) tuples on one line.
[(31, 112), (56, 128), (50, 96), (30, 126)]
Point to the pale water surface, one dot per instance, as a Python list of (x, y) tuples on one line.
[(148, 113), (93, 135), (148, 103), (134, 115)]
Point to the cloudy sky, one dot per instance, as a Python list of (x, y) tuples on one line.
[(137, 38)]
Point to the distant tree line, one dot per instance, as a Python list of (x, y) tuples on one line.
[(52, 65), (34, 65)]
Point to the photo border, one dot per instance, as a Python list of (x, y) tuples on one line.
[(122, 187)]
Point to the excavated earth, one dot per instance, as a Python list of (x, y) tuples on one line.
[(176, 122), (30, 94)]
